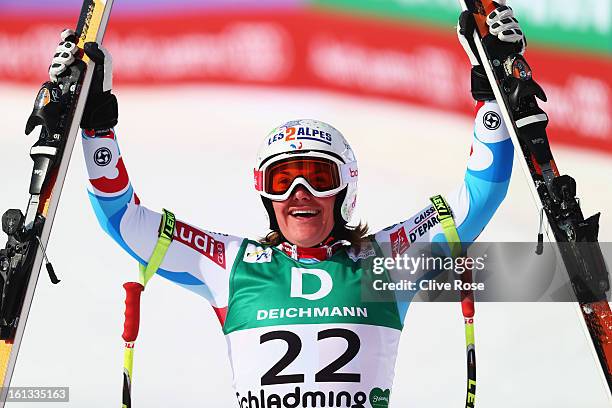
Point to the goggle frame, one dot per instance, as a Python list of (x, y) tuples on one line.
[(346, 171)]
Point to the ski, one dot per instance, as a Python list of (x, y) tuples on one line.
[(555, 194), (58, 109)]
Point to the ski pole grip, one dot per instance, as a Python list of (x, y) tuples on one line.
[(467, 306), (467, 296), (132, 310)]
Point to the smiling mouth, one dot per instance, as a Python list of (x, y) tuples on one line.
[(304, 213)]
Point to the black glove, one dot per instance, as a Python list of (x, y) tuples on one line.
[(507, 39), (101, 110)]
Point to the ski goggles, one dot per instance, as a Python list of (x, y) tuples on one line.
[(321, 175)]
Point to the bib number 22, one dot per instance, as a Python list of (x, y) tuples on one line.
[(328, 374)]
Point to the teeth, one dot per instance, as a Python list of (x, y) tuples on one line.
[(304, 212)]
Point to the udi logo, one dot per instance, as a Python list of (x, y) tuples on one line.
[(297, 280), (399, 242), (201, 242)]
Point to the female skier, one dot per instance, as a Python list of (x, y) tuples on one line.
[(290, 306)]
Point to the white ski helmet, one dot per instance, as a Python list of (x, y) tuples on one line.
[(309, 138)]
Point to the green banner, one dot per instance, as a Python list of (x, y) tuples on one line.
[(576, 24)]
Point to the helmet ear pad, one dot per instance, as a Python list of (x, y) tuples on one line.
[(271, 215), (339, 222)]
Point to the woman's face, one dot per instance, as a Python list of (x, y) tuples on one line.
[(303, 219)]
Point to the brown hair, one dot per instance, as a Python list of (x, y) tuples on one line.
[(355, 235)]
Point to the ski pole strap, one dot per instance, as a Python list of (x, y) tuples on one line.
[(445, 216), (166, 234)]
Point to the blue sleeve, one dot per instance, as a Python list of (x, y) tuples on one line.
[(197, 260), (473, 202)]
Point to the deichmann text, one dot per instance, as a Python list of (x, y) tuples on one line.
[(308, 312)]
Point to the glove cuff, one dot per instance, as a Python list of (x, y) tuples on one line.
[(101, 111), (481, 88)]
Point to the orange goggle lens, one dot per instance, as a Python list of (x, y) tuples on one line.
[(322, 174)]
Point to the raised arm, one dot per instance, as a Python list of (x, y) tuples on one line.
[(198, 260), (487, 175), (477, 197), (489, 166)]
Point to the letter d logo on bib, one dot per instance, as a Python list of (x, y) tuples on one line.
[(296, 283)]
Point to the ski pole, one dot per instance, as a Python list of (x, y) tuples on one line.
[(445, 217), (131, 324), (133, 290), (467, 308)]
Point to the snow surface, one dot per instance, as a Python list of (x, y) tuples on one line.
[(191, 149)]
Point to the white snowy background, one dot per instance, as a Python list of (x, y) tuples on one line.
[(191, 149)]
